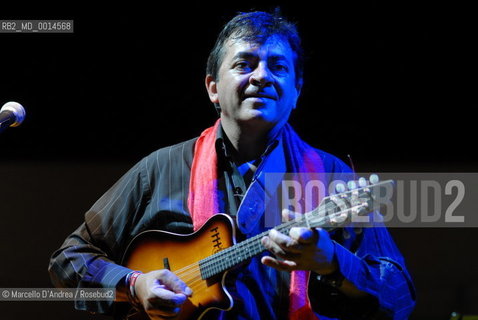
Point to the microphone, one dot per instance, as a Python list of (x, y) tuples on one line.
[(12, 114)]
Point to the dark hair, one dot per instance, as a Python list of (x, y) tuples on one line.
[(256, 27)]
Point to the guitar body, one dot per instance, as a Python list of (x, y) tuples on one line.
[(155, 250)]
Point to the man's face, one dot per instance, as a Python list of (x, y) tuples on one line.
[(256, 83)]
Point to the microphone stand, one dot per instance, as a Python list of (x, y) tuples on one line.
[(3, 126)]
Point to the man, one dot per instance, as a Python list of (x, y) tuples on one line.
[(254, 77)]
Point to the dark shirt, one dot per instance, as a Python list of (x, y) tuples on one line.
[(153, 195)]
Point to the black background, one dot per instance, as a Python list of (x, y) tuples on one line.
[(389, 83)]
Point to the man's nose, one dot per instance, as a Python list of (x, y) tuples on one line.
[(261, 76)]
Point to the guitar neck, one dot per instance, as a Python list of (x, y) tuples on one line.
[(341, 206), (230, 257)]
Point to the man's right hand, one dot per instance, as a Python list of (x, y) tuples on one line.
[(161, 293)]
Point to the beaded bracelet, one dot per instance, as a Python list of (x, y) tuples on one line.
[(131, 292)]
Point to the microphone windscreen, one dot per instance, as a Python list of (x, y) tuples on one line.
[(17, 109)]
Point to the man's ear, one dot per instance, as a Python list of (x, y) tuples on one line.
[(211, 87), (298, 88)]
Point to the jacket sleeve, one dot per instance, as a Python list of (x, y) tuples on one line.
[(368, 258), (90, 256)]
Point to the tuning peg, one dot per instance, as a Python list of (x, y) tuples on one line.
[(339, 218), (362, 182), (340, 187), (351, 185), (374, 179)]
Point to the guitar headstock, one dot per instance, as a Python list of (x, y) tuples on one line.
[(352, 203)]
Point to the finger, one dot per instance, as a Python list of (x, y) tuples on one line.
[(289, 215), (161, 308), (303, 235), (173, 282), (165, 297), (164, 303), (285, 265), (163, 313), (285, 242), (322, 236), (272, 246), (277, 250)]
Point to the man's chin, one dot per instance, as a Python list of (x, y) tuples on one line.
[(257, 117), (256, 114)]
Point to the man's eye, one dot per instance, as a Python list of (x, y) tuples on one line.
[(243, 66), (280, 68)]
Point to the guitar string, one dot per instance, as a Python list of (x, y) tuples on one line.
[(211, 262), (197, 283), (191, 274), (208, 262)]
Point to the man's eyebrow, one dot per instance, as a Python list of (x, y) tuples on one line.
[(250, 55), (244, 55), (276, 57)]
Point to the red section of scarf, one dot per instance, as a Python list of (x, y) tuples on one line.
[(203, 202)]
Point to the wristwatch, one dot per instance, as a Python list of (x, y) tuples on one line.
[(334, 279)]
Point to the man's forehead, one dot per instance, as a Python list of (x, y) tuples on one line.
[(272, 46)]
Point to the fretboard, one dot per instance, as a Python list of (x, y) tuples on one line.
[(230, 257)]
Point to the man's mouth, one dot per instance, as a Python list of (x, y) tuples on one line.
[(261, 96)]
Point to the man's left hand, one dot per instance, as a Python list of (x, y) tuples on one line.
[(302, 249)]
